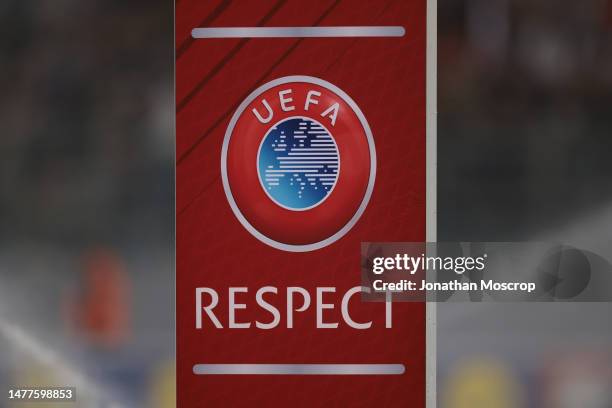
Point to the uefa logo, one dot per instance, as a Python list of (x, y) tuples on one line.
[(298, 163)]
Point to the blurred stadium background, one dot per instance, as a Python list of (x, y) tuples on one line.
[(525, 137), (86, 195), (86, 199)]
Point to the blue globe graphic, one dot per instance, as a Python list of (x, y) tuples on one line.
[(298, 163)]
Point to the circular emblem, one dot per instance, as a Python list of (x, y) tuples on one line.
[(298, 163)]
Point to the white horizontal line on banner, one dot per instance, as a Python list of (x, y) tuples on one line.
[(298, 32), (299, 369)]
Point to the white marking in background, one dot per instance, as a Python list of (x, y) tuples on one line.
[(90, 392)]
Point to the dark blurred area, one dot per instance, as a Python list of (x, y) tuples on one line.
[(86, 199), (86, 124), (525, 90), (524, 137)]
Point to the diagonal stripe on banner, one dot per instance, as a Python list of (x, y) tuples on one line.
[(224, 61), (204, 23), (206, 187), (257, 83), (233, 108), (353, 42)]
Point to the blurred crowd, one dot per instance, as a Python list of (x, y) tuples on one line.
[(87, 133), (524, 137), (86, 198), (525, 89)]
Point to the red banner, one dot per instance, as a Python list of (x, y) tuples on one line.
[(301, 132)]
